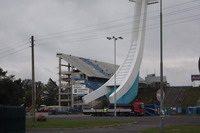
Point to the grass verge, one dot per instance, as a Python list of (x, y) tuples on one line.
[(62, 124), (176, 129)]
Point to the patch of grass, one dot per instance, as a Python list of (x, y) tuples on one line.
[(61, 124), (176, 129)]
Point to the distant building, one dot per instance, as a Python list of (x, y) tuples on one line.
[(153, 81), (142, 83)]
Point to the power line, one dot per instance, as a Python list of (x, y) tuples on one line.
[(112, 21), (8, 46), (11, 53), (13, 48), (119, 25), (185, 3), (125, 31), (169, 23)]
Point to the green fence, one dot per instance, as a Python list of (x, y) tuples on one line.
[(12, 119)]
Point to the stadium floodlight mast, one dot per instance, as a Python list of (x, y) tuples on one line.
[(115, 39)]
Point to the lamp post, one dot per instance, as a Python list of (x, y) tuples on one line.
[(115, 39)]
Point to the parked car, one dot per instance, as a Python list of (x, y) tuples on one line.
[(43, 108), (74, 111), (55, 110)]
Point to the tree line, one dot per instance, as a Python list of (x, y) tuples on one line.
[(15, 92)]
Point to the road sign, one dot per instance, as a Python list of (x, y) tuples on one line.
[(195, 78), (158, 95)]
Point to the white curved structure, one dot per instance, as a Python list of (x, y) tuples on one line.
[(127, 76)]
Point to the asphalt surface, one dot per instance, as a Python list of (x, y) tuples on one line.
[(141, 123)]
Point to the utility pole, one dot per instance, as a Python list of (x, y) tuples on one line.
[(33, 82), (59, 90), (115, 87), (161, 70)]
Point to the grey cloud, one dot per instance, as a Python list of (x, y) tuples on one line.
[(21, 19)]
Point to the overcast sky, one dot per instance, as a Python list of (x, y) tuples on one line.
[(80, 28)]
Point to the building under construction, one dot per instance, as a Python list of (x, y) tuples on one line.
[(79, 76)]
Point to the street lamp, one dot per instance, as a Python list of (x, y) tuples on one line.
[(115, 39)]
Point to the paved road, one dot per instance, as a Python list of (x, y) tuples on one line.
[(142, 124)]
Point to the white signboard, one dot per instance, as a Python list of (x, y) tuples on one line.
[(80, 81), (80, 89), (158, 95)]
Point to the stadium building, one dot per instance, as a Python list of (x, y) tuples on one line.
[(79, 76)]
